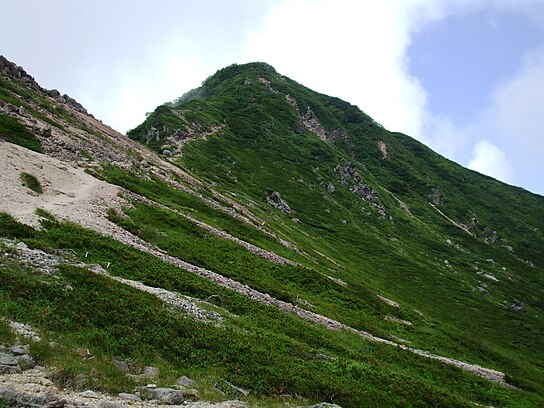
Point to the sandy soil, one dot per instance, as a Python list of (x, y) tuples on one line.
[(69, 193)]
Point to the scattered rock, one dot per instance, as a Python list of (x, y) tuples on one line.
[(448, 242), (349, 176), (24, 330), (167, 153), (52, 397), (13, 398), (482, 288), (310, 121), (110, 404), (9, 364), (191, 394), (6, 359), (321, 405), (45, 382), (471, 224), (518, 307)]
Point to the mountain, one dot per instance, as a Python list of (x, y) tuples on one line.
[(264, 239)]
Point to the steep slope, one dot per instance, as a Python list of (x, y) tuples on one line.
[(370, 206), (267, 243)]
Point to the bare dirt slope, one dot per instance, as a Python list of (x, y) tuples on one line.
[(68, 192)]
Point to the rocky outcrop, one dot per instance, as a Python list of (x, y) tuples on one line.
[(383, 148), (349, 176), (18, 73), (274, 199), (436, 196), (311, 123)]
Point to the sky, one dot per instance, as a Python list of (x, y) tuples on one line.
[(465, 77)]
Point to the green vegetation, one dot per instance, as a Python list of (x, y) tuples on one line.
[(258, 347), (14, 132), (264, 147), (31, 182), (454, 288)]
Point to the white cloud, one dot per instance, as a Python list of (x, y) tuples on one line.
[(490, 160), (351, 49), (133, 90), (514, 119)]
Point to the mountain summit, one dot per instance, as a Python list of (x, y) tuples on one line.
[(274, 244)]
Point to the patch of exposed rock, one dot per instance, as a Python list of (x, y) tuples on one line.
[(32, 389), (35, 258), (311, 123), (436, 196), (47, 263), (349, 176), (274, 199), (390, 302), (518, 307), (383, 148)]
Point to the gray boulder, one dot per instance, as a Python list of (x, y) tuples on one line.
[(151, 372), (129, 397), (8, 364), (184, 381), (167, 395), (20, 350)]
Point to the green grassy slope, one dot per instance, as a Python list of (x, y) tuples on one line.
[(246, 133), (420, 259)]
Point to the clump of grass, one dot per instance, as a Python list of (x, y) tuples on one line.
[(6, 335), (31, 182), (14, 132)]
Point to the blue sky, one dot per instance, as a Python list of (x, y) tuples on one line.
[(461, 59), (466, 77)]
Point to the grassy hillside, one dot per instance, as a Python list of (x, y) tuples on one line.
[(462, 261), (382, 234)]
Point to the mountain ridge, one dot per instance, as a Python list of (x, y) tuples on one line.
[(379, 237)]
